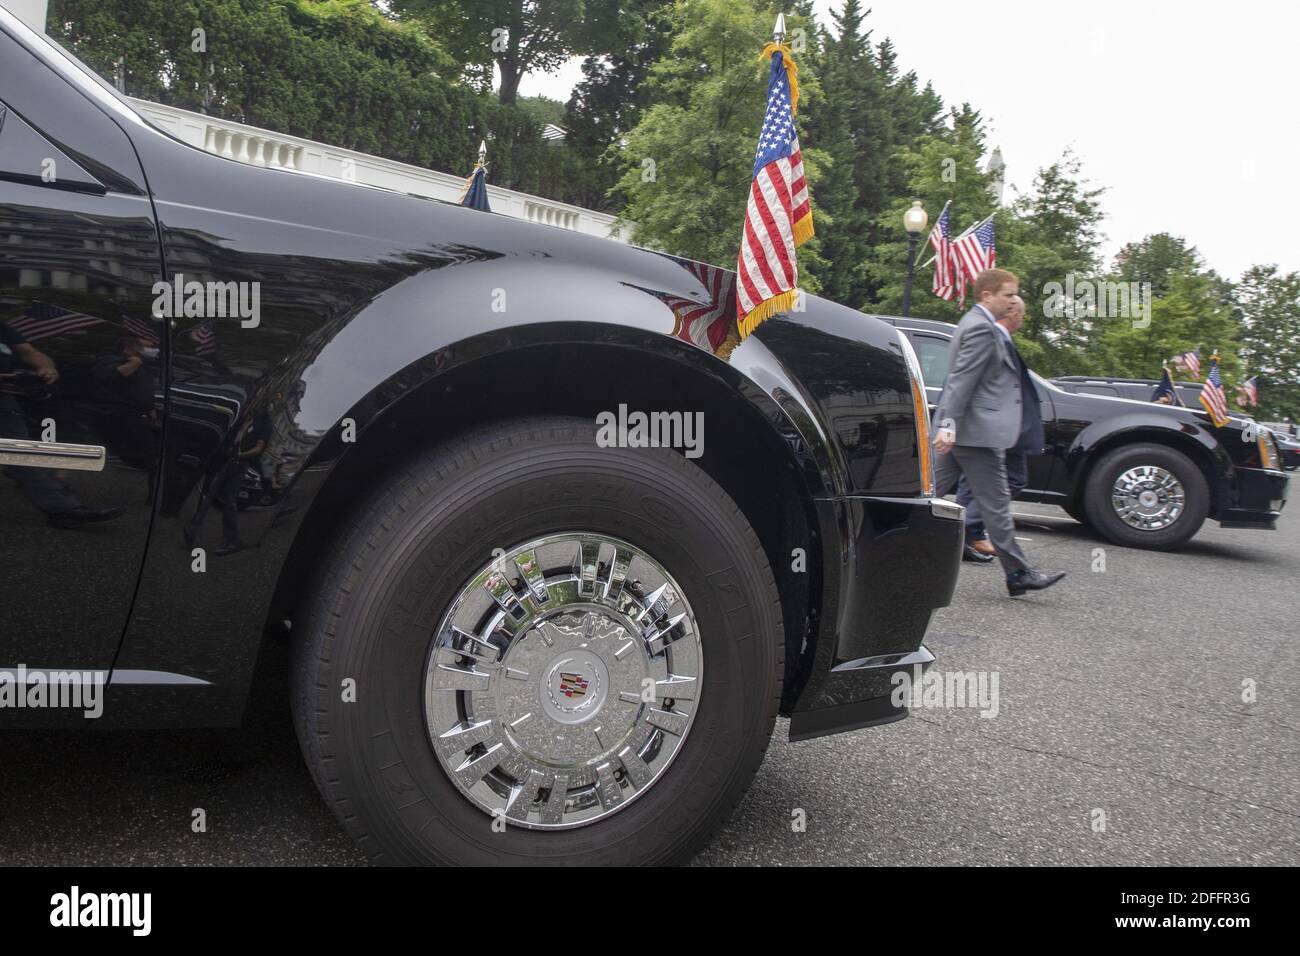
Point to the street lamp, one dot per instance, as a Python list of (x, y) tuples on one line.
[(914, 221)]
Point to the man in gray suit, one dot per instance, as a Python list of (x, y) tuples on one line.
[(980, 415)]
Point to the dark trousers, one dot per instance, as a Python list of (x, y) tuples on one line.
[(1017, 478), (226, 487), (986, 471)]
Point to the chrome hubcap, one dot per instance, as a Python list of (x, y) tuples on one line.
[(563, 680), (1148, 498)]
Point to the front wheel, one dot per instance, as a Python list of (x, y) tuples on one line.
[(531, 649), (1147, 496)]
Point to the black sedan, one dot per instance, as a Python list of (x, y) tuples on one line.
[(551, 548), (1142, 474)]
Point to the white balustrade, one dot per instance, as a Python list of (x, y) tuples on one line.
[(260, 147)]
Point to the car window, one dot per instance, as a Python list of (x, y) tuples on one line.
[(1107, 390), (932, 353)]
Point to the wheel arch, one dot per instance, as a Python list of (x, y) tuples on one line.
[(752, 448), (1089, 454)]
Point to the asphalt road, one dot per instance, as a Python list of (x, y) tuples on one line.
[(1120, 693)]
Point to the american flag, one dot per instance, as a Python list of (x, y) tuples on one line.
[(710, 324), (204, 336), (1190, 361), (977, 249), (946, 270), (142, 330), (43, 321), (1212, 396), (1248, 392), (778, 217)]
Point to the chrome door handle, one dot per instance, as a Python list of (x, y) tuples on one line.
[(51, 454)]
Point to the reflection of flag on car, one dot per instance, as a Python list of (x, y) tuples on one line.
[(977, 249), (1212, 394), (204, 336), (1248, 392), (1165, 392), (1191, 361), (142, 330), (43, 321), (711, 324), (778, 217)]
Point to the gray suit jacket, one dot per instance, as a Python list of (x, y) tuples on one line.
[(981, 395)]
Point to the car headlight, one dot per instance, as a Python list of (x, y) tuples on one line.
[(922, 413), (1268, 453)]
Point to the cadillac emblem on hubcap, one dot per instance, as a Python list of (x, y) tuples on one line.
[(563, 680)]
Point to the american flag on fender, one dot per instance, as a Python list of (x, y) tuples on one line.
[(1248, 392), (142, 330), (778, 217), (43, 321), (204, 336), (711, 324), (1190, 361), (977, 249), (945, 269), (1212, 396)]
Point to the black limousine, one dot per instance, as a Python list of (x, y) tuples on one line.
[(1142, 474), (517, 634)]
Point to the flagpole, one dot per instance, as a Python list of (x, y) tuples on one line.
[(932, 229)]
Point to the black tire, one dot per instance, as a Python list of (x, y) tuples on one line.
[(1077, 512), (1097, 497), (400, 560)]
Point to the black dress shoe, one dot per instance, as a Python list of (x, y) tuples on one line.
[(968, 553), (228, 547), (82, 515), (1018, 582)]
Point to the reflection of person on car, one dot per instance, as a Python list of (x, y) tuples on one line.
[(41, 485), (248, 448), (125, 383)]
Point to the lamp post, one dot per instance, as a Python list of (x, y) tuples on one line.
[(914, 221)]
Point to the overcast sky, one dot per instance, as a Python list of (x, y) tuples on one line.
[(1185, 111)]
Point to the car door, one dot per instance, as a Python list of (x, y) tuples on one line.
[(80, 370)]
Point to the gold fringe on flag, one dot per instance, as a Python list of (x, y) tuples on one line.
[(803, 229), (765, 310), (791, 71)]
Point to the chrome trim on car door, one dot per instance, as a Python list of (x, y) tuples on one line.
[(49, 454)]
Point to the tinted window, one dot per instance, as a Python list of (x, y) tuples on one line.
[(932, 352)]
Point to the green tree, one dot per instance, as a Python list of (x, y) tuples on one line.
[(516, 36), (938, 167), (610, 99), (688, 163), (1191, 314), (1048, 235), (1270, 308)]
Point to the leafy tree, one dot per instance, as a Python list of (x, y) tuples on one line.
[(1156, 259), (1051, 233), (1191, 314), (516, 36), (610, 99), (338, 71), (1270, 307), (688, 164), (937, 168)]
